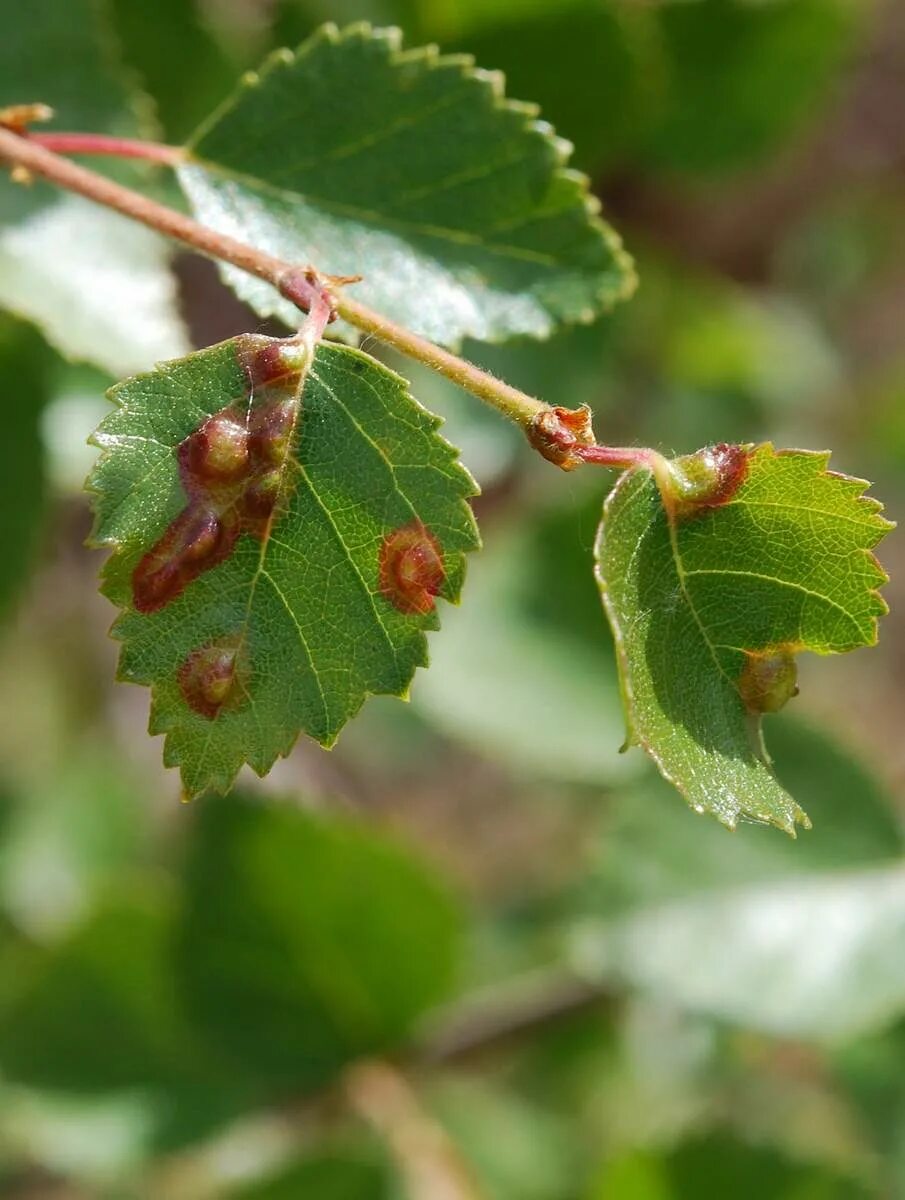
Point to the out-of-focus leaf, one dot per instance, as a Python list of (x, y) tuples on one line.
[(803, 939), (273, 598), (308, 942), (719, 1166), (524, 670), (82, 1136), (64, 55), (710, 605), (100, 1011), (96, 284), (518, 1150), (742, 76), (67, 838), (453, 201), (349, 1174), (182, 65), (77, 406), (24, 383), (653, 851), (869, 1071), (589, 64)]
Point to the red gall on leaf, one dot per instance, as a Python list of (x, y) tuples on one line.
[(411, 568)]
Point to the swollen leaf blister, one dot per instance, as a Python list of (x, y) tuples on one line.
[(281, 532), (710, 604)]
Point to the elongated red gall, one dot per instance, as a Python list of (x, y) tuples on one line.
[(195, 541), (231, 469)]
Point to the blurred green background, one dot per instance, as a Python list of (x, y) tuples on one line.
[(593, 993)]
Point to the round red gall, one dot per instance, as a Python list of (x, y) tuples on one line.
[(411, 568), (707, 479), (207, 678), (276, 362), (218, 451)]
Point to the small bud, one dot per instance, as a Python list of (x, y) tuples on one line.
[(768, 680), (18, 117), (556, 432)]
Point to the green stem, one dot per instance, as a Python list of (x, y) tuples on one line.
[(516, 405), (562, 435), (27, 154)]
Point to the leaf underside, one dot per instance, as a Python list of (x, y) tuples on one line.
[(353, 151), (96, 284), (295, 613), (785, 565)]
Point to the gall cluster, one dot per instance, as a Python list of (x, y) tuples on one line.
[(232, 470), (232, 474)]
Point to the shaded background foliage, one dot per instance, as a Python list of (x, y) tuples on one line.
[(182, 990)]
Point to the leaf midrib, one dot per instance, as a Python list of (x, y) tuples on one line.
[(383, 222)]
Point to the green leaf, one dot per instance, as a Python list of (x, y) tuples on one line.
[(798, 939), (337, 1174), (99, 1011), (23, 379), (742, 77), (64, 55), (159, 40), (277, 600), (720, 1165), (713, 605), (359, 156), (96, 284), (307, 941), (653, 851)]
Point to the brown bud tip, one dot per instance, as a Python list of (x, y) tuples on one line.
[(556, 432), (707, 479), (19, 116), (207, 678), (768, 680), (218, 451), (411, 568)]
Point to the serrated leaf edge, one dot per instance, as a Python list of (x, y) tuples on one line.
[(430, 54), (157, 724), (873, 506)]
